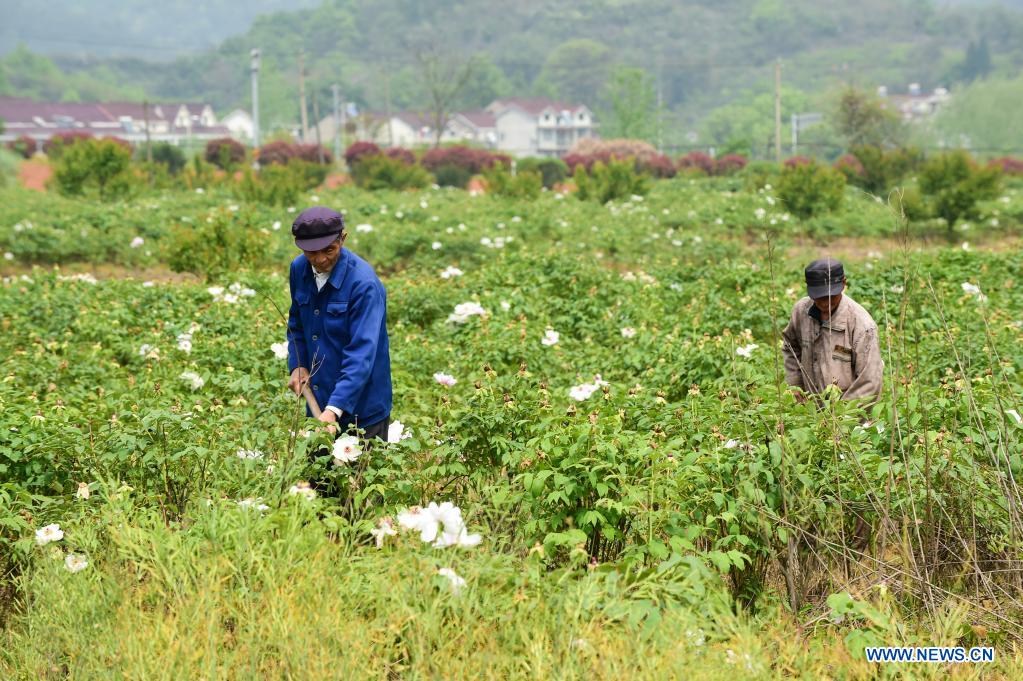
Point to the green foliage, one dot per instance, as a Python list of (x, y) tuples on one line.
[(860, 120), (382, 172), (552, 170), (168, 155), (452, 175), (100, 166), (954, 183), (524, 184), (883, 169), (8, 167), (810, 189), (219, 247), (632, 111), (984, 115), (610, 181)]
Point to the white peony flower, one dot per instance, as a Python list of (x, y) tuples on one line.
[(441, 525), (75, 563), (582, 392), (195, 379), (48, 534), (457, 583), (199, 190), (746, 350), (302, 489), (463, 311), (1015, 414), (83, 491), (346, 450), (505, 305), (446, 380), (8, 256), (628, 332), (248, 454), (276, 226), (731, 444), (451, 272), (364, 228), (280, 350), (137, 242), (760, 213), (436, 245), (971, 289), (185, 342), (255, 503), (383, 530), (396, 432), (550, 337)]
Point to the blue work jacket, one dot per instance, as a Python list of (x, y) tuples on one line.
[(340, 335)]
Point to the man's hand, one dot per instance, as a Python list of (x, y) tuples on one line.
[(299, 377), (329, 418)]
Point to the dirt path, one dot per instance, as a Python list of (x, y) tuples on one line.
[(34, 174)]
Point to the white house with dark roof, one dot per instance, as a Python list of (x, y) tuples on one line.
[(538, 126), (173, 123)]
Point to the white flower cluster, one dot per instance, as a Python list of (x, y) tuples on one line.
[(463, 311), (364, 228), (249, 454), (746, 350), (233, 294), (52, 533), (441, 526), (973, 290), (396, 432), (86, 277), (496, 242), (550, 337), (303, 489), (446, 380), (137, 242), (628, 332), (585, 390), (450, 272), (194, 379), (280, 350)]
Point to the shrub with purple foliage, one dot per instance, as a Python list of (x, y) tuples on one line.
[(310, 153), (24, 146), (729, 164), (850, 166), (473, 161), (697, 160), (796, 161), (224, 152), (358, 150), (659, 166), (1008, 165), (402, 154)]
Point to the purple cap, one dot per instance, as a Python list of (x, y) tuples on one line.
[(317, 227)]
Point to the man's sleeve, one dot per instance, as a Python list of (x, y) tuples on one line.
[(297, 354), (869, 367), (791, 350), (369, 309)]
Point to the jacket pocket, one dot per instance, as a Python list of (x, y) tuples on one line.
[(335, 323)]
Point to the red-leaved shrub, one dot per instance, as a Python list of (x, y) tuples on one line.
[(471, 160), (730, 164), (697, 160), (224, 152), (796, 161), (311, 153), (850, 166), (60, 140), (659, 166), (402, 154), (1008, 165), (24, 146), (357, 150)]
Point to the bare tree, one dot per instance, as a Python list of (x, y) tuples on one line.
[(443, 75)]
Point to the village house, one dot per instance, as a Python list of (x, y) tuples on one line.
[(914, 104), (519, 127), (174, 123)]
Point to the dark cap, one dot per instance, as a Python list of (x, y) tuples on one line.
[(824, 278), (317, 227)]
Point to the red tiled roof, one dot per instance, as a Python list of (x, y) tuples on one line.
[(533, 105)]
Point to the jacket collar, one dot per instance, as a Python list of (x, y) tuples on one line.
[(337, 275)]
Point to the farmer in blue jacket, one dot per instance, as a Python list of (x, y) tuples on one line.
[(337, 327)]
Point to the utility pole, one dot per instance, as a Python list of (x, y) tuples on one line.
[(301, 96), (337, 123), (145, 116), (795, 133), (255, 102), (777, 110), (316, 119)]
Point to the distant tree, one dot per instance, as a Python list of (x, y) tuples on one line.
[(747, 126), (443, 75), (576, 70), (984, 115), (632, 105), (977, 62), (860, 120)]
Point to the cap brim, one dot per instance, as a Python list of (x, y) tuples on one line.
[(316, 243), (825, 290)]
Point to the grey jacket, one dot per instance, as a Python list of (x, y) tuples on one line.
[(843, 351)]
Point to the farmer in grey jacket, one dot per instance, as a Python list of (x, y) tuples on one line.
[(831, 339)]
